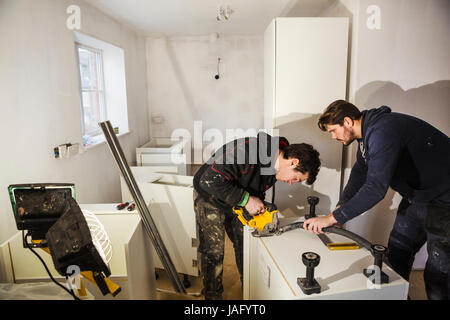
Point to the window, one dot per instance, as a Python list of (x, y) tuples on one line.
[(102, 87), (93, 109)]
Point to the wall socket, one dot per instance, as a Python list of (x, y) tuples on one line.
[(66, 150), (157, 118)]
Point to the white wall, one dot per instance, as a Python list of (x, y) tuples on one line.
[(40, 103), (404, 65), (182, 88)]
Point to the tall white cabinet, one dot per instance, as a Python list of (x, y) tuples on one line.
[(305, 69)]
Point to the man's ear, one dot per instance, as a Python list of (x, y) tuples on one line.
[(348, 122), (294, 162)]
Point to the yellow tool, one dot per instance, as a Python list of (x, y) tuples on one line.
[(113, 288), (265, 223), (343, 246), (337, 246)]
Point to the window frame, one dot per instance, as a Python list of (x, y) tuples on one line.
[(101, 93)]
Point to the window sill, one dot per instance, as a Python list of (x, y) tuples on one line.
[(103, 141)]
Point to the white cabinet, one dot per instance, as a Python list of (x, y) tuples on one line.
[(273, 264), (131, 265), (171, 205), (305, 68), (163, 154)]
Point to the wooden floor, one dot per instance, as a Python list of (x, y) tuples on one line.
[(231, 281), (417, 286)]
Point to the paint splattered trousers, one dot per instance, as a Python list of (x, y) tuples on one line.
[(414, 225), (212, 223)]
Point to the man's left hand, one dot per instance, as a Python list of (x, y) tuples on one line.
[(316, 224)]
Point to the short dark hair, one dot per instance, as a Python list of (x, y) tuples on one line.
[(336, 112), (308, 157)]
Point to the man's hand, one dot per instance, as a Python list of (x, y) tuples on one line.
[(316, 224), (254, 206)]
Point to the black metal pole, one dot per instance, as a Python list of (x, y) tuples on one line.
[(147, 220), (309, 276)]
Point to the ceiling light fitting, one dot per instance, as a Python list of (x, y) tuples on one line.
[(223, 13)]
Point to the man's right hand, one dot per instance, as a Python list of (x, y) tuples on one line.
[(254, 206)]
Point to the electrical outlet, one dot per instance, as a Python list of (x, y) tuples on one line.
[(66, 150)]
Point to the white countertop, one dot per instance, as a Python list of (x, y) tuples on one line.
[(338, 271), (106, 208)]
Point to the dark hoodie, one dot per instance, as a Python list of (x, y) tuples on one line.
[(398, 151), (240, 166)]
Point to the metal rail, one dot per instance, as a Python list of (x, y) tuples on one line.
[(358, 239), (144, 212)]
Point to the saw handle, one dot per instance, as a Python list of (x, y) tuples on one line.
[(258, 221), (242, 215)]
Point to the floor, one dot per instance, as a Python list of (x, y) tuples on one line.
[(232, 285), (417, 286), (231, 281)]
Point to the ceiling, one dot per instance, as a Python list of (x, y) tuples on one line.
[(198, 17)]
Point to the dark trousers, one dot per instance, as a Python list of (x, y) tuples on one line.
[(212, 223), (414, 225)]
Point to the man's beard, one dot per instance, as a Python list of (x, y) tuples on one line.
[(349, 142)]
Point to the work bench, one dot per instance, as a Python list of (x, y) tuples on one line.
[(273, 264)]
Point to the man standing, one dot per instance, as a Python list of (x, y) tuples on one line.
[(413, 158), (239, 174)]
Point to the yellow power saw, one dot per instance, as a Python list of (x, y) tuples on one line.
[(265, 224)]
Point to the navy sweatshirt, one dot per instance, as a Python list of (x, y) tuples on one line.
[(398, 151)]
